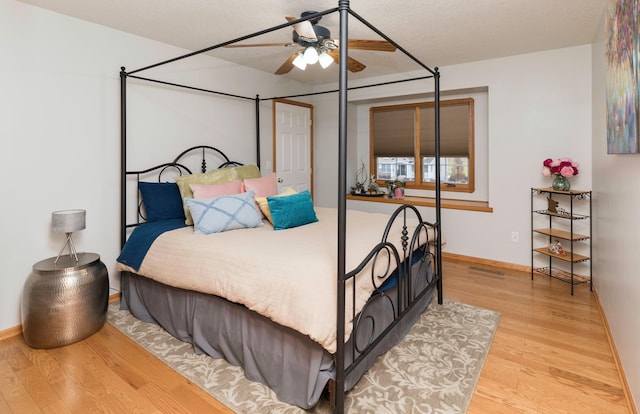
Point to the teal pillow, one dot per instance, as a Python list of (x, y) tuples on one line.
[(227, 212), (292, 211)]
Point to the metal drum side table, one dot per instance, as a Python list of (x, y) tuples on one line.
[(64, 302)]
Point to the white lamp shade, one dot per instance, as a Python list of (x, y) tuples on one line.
[(325, 60), (299, 62), (311, 55), (68, 221)]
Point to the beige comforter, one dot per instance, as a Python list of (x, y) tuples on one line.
[(286, 275)]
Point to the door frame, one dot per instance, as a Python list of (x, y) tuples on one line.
[(275, 135)]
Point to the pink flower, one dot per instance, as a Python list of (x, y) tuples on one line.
[(560, 166), (566, 171)]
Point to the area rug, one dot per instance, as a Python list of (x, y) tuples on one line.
[(433, 370)]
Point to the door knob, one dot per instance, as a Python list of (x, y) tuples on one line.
[(280, 180)]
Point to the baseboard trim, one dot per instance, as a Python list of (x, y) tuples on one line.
[(11, 332), (616, 357), (504, 265), (17, 330)]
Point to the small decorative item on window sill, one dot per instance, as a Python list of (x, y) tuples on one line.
[(560, 169), (372, 188), (365, 189), (361, 178), (358, 189), (396, 189), (556, 248)]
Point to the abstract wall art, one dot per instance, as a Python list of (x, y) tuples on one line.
[(622, 50)]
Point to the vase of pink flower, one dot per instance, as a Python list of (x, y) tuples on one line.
[(560, 169)]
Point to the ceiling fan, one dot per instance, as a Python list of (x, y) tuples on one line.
[(317, 46)]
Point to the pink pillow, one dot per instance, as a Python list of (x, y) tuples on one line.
[(264, 186), (201, 191)]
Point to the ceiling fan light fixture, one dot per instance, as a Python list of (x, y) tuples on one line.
[(325, 60), (300, 62), (311, 55)]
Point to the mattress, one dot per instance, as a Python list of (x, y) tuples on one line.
[(286, 275)]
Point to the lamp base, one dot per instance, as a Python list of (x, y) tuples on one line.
[(72, 249)]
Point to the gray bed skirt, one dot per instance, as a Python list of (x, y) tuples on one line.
[(296, 368)]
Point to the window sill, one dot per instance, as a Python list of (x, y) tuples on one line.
[(470, 205)]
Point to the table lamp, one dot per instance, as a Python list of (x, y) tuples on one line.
[(68, 221)]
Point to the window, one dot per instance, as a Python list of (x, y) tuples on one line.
[(402, 134)]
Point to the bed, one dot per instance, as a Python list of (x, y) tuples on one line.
[(303, 304)]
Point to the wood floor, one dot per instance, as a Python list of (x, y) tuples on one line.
[(550, 354)]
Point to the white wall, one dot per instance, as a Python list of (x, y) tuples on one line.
[(325, 140), (539, 106), (616, 232), (60, 129)]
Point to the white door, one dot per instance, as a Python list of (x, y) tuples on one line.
[(293, 142)]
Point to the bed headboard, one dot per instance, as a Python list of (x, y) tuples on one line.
[(198, 159), (206, 150)]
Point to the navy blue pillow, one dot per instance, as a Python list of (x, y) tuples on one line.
[(162, 201), (292, 210)]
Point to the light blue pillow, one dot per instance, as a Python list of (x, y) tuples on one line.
[(227, 212), (292, 211)]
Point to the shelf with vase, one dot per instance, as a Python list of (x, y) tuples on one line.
[(579, 194), (570, 227), (560, 169)]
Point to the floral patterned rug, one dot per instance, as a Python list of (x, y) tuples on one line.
[(433, 370)]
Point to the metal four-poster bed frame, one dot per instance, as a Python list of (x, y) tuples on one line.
[(344, 12)]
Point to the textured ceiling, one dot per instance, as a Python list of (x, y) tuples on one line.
[(437, 32)]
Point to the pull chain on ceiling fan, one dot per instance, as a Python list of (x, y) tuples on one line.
[(317, 46)]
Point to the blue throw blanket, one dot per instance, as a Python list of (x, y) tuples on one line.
[(142, 238)]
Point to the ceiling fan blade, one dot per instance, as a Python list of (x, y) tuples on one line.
[(364, 44), (352, 64), (262, 44), (286, 66), (304, 29)]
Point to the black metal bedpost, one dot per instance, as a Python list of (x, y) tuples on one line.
[(258, 131), (436, 77), (343, 6), (123, 156)]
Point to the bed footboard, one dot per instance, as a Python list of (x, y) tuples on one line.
[(417, 276)]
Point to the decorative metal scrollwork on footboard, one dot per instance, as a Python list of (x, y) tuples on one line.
[(401, 272)]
